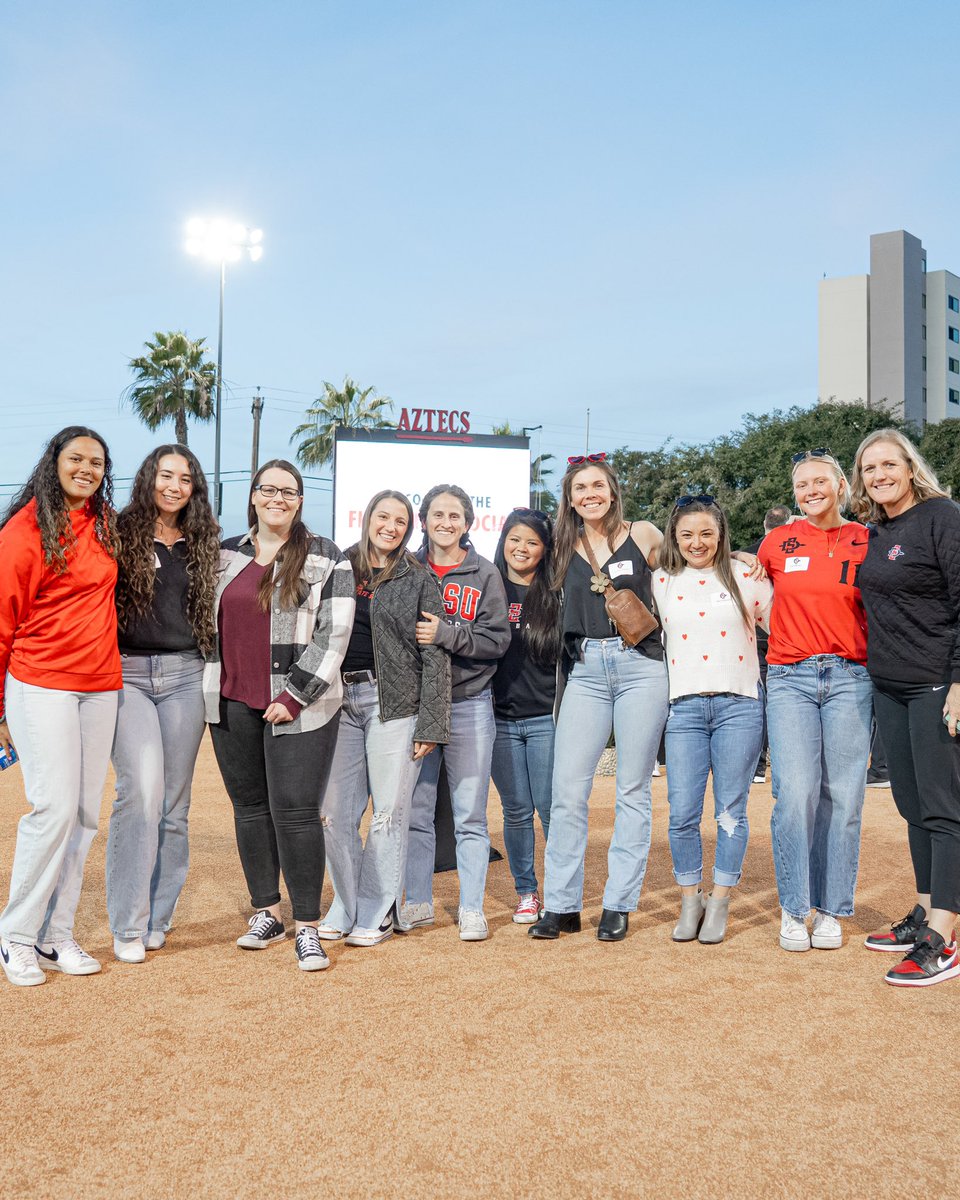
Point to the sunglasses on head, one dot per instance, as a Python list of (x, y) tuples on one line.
[(575, 460), (703, 498), (820, 452)]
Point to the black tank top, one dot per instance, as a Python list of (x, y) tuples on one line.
[(584, 615)]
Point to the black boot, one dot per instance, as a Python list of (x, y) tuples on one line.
[(551, 925), (613, 926)]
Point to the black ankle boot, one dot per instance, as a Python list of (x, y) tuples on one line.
[(613, 926), (551, 925)]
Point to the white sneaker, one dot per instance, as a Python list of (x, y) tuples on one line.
[(793, 932), (412, 915), (473, 925), (827, 934), (329, 933), (66, 956), (154, 939), (19, 964), (371, 937), (130, 951)]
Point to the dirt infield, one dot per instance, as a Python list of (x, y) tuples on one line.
[(427, 1067)]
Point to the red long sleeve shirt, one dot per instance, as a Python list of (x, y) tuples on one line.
[(57, 631)]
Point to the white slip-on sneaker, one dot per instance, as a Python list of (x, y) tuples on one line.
[(130, 951), (20, 965), (372, 937), (793, 932), (414, 915), (66, 956), (155, 939), (827, 934), (329, 933), (473, 925)]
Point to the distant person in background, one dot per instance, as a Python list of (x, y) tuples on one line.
[(169, 562), (476, 633), (819, 704), (396, 710), (60, 668), (778, 515), (524, 692), (285, 604)]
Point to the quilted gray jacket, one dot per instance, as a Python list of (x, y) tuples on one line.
[(411, 679)]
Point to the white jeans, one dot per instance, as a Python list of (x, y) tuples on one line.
[(63, 740)]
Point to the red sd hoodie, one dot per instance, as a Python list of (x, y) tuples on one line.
[(57, 631)]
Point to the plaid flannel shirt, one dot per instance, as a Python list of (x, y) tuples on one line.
[(307, 644)]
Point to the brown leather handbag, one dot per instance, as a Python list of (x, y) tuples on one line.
[(633, 620)]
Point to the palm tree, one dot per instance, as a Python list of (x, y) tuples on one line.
[(347, 408), (540, 494), (173, 379)]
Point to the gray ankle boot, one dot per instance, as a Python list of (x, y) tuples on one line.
[(691, 916), (715, 922)]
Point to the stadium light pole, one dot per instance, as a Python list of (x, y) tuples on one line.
[(221, 242)]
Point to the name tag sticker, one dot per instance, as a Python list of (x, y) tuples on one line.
[(615, 570), (720, 598), (796, 564), (156, 560)]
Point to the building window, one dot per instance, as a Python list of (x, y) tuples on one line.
[(923, 299), (924, 328), (953, 364), (953, 333), (924, 397), (953, 304), (924, 362), (954, 396)]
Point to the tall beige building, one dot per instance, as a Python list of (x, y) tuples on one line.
[(891, 339)]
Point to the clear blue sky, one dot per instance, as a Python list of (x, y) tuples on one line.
[(519, 209)]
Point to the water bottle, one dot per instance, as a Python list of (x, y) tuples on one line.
[(7, 759)]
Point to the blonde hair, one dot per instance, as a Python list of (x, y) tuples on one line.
[(924, 483), (837, 470)]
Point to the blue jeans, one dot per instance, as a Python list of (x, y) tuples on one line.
[(523, 775), (467, 756), (610, 686), (373, 759), (159, 729), (63, 739), (723, 734), (819, 713)]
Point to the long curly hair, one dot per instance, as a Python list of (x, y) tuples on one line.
[(135, 584), (541, 609), (53, 516)]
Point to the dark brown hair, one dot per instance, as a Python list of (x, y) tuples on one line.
[(541, 608), (53, 516), (137, 577), (288, 565), (672, 561)]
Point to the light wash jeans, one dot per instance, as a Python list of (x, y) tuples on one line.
[(373, 760), (63, 740), (159, 729), (819, 713), (467, 756), (723, 734), (611, 686), (522, 769)]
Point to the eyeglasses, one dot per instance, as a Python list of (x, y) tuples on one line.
[(703, 498), (532, 512), (268, 491), (820, 452), (576, 459)]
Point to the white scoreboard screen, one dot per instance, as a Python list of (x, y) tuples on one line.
[(493, 471)]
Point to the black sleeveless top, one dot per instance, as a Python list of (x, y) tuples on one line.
[(584, 615)]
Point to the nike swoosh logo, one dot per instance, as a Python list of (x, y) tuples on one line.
[(939, 689), (943, 963), (859, 543), (5, 955), (51, 957)]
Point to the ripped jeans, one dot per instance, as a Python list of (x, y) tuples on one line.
[(720, 733), (373, 758)]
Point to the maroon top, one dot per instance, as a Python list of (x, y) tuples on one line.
[(245, 643)]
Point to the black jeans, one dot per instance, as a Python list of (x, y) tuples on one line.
[(924, 764), (276, 784)]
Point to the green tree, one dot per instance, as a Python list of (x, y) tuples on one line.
[(172, 381), (940, 446), (748, 470), (541, 495), (348, 407)]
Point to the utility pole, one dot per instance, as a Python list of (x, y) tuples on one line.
[(586, 448), (257, 409), (527, 430)]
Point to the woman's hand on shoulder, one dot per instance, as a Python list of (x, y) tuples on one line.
[(649, 539), (756, 566)]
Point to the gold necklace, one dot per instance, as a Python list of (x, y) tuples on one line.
[(836, 543)]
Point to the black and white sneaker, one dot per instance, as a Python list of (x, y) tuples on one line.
[(930, 961), (901, 937), (264, 929), (310, 954)]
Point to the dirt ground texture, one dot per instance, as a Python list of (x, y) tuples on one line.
[(427, 1067)]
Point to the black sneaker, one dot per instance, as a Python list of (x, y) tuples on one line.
[(878, 779), (264, 929), (930, 961), (310, 954), (901, 937)]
